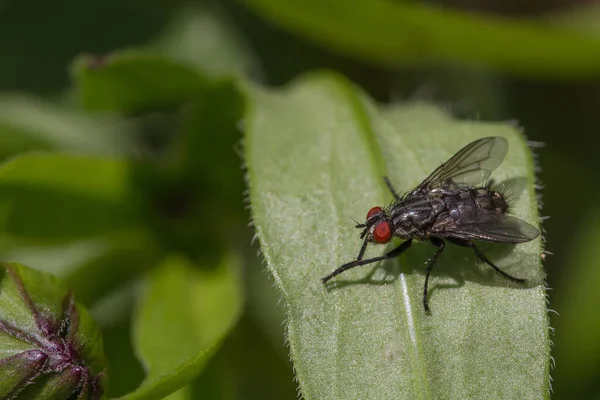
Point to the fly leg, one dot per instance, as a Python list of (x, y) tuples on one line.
[(441, 245), (358, 262), (389, 185), (482, 257)]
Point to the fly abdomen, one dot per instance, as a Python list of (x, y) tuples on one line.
[(490, 200), (476, 198), (466, 202)]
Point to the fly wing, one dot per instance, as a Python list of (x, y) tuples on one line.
[(490, 226), (471, 165)]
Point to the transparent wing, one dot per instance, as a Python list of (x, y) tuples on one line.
[(471, 165), (490, 226)]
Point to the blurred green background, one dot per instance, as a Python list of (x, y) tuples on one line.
[(551, 101)]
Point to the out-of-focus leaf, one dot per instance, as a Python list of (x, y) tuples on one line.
[(204, 185), (134, 81), (316, 154), (203, 36), (184, 393), (57, 259), (125, 258), (251, 357), (29, 124), (209, 141), (219, 381), (578, 327), (94, 267), (581, 17), (181, 319), (59, 196), (265, 306), (113, 314), (399, 33)]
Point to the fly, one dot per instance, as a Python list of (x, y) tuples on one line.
[(447, 206)]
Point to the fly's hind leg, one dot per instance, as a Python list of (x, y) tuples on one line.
[(482, 257), (430, 264)]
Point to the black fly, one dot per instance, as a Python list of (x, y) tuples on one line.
[(447, 206)]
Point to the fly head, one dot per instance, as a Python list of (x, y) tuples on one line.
[(378, 227)]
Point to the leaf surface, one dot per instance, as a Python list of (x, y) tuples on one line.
[(316, 154)]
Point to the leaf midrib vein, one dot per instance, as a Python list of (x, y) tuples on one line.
[(378, 162)]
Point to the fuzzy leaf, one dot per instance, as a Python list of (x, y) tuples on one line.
[(316, 154)]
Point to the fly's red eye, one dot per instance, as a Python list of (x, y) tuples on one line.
[(382, 232), (373, 211)]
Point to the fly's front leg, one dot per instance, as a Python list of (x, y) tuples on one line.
[(358, 262), (389, 185), (482, 257), (441, 245)]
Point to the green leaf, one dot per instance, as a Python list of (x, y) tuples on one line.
[(578, 327), (209, 130), (316, 154), (93, 267), (203, 36), (122, 258), (400, 33), (183, 315), (264, 305), (59, 196), (27, 124), (580, 17), (114, 315), (181, 394), (134, 81)]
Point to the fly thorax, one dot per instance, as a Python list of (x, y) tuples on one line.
[(403, 230), (405, 223)]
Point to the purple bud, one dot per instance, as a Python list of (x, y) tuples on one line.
[(49, 346)]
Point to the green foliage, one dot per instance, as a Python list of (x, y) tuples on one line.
[(74, 196), (152, 236), (316, 152), (27, 124), (132, 81), (403, 33), (578, 328), (179, 323), (135, 213), (204, 36), (573, 274)]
